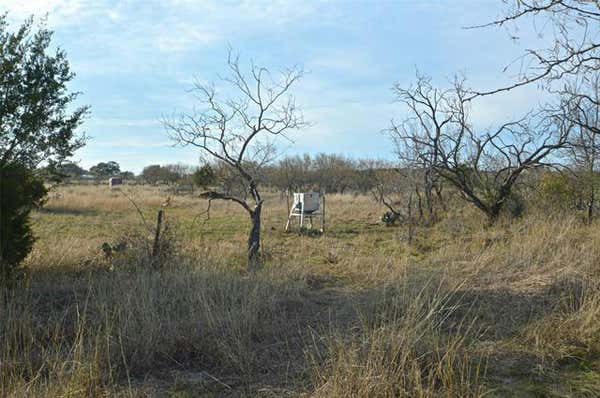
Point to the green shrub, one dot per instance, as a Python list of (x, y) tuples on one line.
[(204, 176), (557, 190), (20, 192)]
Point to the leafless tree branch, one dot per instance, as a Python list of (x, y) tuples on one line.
[(234, 130), (575, 49), (484, 166)]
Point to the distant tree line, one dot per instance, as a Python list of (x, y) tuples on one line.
[(333, 173), (323, 172)]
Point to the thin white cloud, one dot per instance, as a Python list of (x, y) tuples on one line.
[(180, 36), (130, 143), (60, 12), (117, 122), (347, 62)]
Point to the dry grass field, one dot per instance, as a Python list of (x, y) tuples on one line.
[(460, 311)]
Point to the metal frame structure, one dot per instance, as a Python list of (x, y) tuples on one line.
[(297, 210), (115, 182)]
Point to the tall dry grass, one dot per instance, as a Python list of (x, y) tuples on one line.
[(460, 310), (400, 347), (102, 334), (94, 335)]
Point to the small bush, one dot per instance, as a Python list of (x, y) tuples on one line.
[(135, 250), (20, 192), (558, 191), (204, 176)]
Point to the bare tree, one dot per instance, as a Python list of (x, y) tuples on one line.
[(324, 172), (393, 188), (574, 50), (483, 166), (431, 113), (581, 107), (291, 174), (233, 131), (333, 173)]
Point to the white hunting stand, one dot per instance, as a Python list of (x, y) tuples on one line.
[(114, 181), (307, 205)]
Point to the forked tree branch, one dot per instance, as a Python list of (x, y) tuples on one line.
[(575, 49)]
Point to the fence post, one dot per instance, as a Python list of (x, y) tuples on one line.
[(157, 233)]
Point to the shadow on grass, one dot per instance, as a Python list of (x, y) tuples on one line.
[(233, 333), (69, 211)]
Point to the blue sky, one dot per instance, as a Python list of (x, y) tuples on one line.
[(135, 60)]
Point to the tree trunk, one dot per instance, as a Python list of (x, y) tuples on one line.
[(254, 238), (155, 245), (590, 207), (428, 188), (438, 192), (493, 213), (419, 203)]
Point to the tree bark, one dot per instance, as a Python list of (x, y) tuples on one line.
[(592, 195), (419, 203), (493, 213), (155, 247), (590, 207), (428, 188), (254, 238)]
